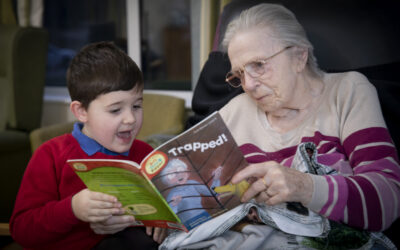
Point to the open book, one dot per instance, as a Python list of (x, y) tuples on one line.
[(174, 185)]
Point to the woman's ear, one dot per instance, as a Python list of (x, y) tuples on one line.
[(78, 111), (302, 58)]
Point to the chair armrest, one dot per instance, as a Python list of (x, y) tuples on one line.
[(40, 135), (4, 229)]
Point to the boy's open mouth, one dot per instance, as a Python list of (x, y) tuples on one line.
[(125, 134)]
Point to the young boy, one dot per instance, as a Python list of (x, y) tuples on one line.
[(54, 209)]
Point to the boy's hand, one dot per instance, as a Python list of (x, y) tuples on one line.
[(92, 206), (159, 233), (112, 225)]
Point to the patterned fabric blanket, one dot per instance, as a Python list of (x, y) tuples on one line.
[(285, 226)]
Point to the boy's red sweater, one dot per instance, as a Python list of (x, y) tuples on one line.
[(42, 216)]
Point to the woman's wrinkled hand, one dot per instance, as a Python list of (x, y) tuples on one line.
[(273, 184), (112, 225)]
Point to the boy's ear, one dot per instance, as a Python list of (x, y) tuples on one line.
[(78, 111)]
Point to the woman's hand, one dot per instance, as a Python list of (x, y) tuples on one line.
[(92, 206), (159, 233), (112, 225), (274, 184)]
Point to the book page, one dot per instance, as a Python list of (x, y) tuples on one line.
[(187, 168), (126, 182)]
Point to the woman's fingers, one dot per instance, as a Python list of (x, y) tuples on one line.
[(262, 197), (275, 184), (254, 170), (255, 189)]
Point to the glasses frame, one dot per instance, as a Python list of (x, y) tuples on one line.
[(230, 75)]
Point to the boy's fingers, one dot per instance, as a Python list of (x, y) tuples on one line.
[(104, 204), (149, 231), (104, 212), (102, 215), (156, 234), (99, 227), (119, 220), (112, 225), (98, 218), (103, 197), (162, 235)]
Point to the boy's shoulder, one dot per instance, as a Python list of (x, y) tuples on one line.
[(60, 140), (65, 146), (59, 145)]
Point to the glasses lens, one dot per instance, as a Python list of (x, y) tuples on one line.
[(255, 69), (233, 79)]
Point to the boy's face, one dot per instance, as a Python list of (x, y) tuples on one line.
[(114, 119)]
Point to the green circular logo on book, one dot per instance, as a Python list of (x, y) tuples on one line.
[(140, 209), (155, 162)]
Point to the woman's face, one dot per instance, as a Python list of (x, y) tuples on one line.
[(274, 90), (178, 175)]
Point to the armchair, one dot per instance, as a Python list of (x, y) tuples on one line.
[(164, 117), (22, 75)]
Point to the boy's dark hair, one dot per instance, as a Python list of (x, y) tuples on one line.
[(100, 68)]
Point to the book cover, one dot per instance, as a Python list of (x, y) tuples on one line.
[(174, 185)]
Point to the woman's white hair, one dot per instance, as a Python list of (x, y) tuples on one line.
[(172, 167), (283, 24)]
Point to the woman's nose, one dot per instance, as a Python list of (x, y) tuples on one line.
[(249, 82)]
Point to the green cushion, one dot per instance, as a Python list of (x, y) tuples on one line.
[(23, 57)]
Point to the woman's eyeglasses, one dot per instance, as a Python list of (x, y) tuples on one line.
[(254, 69)]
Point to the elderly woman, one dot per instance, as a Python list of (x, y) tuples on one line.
[(289, 100)]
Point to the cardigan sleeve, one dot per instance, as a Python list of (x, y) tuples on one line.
[(370, 197)]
